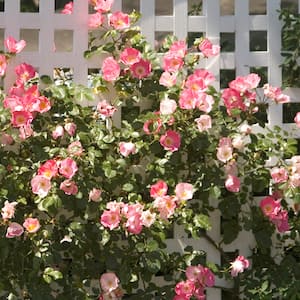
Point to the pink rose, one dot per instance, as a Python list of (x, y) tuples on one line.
[(96, 20), (69, 187), (159, 189), (24, 73), (13, 46), (172, 62), (95, 195), (67, 167), (110, 219), (208, 49), (6, 139), (32, 225), (68, 8), (119, 20), (21, 118), (239, 265), (105, 109), (232, 184), (148, 218), (57, 132), (166, 206), (127, 148), (170, 140), (8, 210), (185, 288), (152, 126), (109, 282), (3, 64), (130, 56), (40, 185), (297, 119), (13, 230), (102, 5), (110, 69), (49, 169), (141, 69), (268, 205), (184, 191), (179, 48)]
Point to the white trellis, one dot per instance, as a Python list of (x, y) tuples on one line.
[(49, 26)]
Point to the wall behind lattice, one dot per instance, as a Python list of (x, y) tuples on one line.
[(249, 30)]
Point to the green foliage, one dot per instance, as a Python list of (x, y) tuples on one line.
[(67, 255)]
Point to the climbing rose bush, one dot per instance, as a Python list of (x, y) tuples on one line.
[(89, 209)]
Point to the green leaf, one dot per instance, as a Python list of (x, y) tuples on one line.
[(202, 221)]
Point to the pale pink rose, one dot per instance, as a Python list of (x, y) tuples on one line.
[(130, 56), (193, 272), (21, 118), (245, 129), (297, 119), (295, 180), (204, 102), (159, 189), (141, 69), (102, 5), (32, 225), (167, 106), (110, 69), (68, 168), (70, 128), (6, 139), (224, 153), (49, 169), (69, 187), (14, 229), (68, 8), (167, 79), (184, 191), (110, 219), (268, 205), (282, 98), (239, 265), (252, 80), (170, 140), (58, 132), (13, 46), (127, 148), (148, 218), (231, 168), (166, 206), (95, 195), (119, 20), (115, 206), (40, 185), (179, 48), (208, 49), (75, 148), (238, 142), (295, 159), (25, 132), (109, 282), (105, 109), (203, 123), (232, 184), (95, 20), (188, 99), (279, 174), (172, 62), (185, 288), (152, 126), (8, 210), (3, 64), (24, 73)]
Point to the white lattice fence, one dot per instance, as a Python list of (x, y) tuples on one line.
[(69, 34)]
